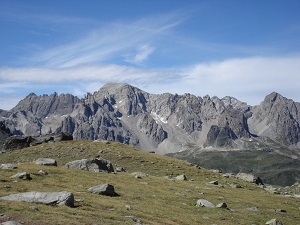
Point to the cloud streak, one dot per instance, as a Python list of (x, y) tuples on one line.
[(110, 41)]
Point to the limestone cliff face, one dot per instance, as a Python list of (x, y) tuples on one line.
[(161, 122)]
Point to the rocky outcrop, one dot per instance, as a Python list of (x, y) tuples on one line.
[(47, 198), (17, 142), (91, 164)]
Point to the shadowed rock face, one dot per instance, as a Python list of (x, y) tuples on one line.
[(163, 123)]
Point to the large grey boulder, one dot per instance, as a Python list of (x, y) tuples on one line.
[(250, 178), (46, 162), (91, 164), (47, 198), (103, 189), (205, 203), (8, 166)]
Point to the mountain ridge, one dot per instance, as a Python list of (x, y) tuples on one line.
[(167, 123)]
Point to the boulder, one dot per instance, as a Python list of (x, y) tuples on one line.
[(205, 203), (10, 223), (46, 162), (91, 164), (250, 178), (274, 222), (22, 175), (16, 142), (103, 189), (47, 198), (8, 166)]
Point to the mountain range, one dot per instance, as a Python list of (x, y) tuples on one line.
[(184, 126)]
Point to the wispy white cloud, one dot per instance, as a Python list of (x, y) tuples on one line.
[(110, 41), (102, 73), (142, 54)]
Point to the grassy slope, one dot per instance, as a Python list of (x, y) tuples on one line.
[(154, 199)]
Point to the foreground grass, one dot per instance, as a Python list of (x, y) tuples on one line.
[(153, 199)]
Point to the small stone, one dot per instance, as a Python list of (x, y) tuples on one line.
[(181, 177), (120, 169), (235, 186), (274, 222), (7, 186), (22, 175), (11, 223), (222, 205), (8, 166), (279, 210), (34, 208), (213, 182), (127, 207), (205, 203), (46, 162), (254, 209), (42, 172)]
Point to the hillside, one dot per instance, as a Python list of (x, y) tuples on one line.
[(151, 199)]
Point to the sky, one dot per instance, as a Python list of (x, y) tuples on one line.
[(245, 49)]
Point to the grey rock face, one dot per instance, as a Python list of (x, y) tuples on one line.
[(91, 164), (103, 189), (220, 137), (46, 162), (278, 118), (48, 198)]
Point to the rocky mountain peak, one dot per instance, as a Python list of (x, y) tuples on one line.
[(119, 111)]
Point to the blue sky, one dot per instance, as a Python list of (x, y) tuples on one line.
[(245, 49)]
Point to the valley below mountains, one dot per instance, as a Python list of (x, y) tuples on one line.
[(224, 134)]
